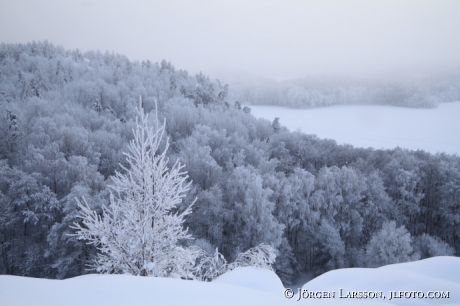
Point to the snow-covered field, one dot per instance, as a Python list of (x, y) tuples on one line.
[(433, 130), (242, 286)]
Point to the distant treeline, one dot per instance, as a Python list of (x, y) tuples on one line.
[(422, 92), (66, 118)]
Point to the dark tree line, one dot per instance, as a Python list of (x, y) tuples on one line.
[(67, 116)]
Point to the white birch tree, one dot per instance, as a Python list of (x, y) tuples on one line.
[(139, 233)]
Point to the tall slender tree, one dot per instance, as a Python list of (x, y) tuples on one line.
[(140, 232)]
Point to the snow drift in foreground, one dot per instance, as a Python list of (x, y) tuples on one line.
[(242, 286), (433, 130)]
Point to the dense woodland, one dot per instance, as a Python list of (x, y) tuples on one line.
[(66, 118)]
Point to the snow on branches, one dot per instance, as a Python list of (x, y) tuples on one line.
[(211, 266), (261, 256), (139, 233)]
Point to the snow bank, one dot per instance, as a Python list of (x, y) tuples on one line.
[(433, 274), (117, 290), (252, 277), (242, 286)]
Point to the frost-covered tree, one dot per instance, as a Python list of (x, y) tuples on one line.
[(140, 232), (428, 246), (331, 245), (251, 221), (27, 208), (262, 256), (276, 125), (390, 245)]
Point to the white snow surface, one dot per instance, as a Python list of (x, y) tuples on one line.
[(433, 274), (377, 126), (242, 286)]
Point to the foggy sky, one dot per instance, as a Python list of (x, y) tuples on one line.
[(280, 39)]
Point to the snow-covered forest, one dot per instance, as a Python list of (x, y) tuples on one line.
[(66, 117), (425, 90)]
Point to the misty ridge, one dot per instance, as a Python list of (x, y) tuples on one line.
[(420, 90), (66, 118)]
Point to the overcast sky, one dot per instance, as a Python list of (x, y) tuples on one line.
[(273, 38)]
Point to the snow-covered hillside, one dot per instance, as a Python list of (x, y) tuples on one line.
[(242, 286), (433, 130)]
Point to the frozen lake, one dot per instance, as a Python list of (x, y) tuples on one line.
[(433, 130)]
